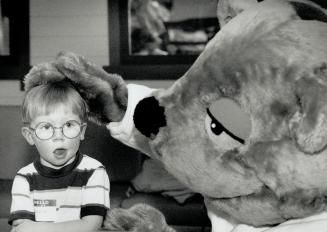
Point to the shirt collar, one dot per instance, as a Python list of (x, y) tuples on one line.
[(52, 172)]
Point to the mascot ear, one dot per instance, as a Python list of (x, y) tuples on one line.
[(308, 125), (105, 94)]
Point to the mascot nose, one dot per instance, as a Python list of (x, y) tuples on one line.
[(149, 116)]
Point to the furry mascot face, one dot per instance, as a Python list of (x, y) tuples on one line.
[(264, 147), (246, 126)]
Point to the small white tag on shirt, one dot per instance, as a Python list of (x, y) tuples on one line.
[(45, 210)]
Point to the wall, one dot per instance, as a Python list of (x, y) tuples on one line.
[(76, 25), (14, 151)]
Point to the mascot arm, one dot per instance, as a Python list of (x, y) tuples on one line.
[(312, 223), (104, 93), (316, 223), (125, 130)]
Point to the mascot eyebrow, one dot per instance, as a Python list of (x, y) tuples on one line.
[(217, 128), (228, 116)]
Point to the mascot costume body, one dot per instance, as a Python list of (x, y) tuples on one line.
[(245, 126)]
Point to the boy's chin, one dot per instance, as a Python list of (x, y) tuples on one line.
[(57, 164)]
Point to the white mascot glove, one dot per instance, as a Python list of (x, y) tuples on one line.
[(125, 130)]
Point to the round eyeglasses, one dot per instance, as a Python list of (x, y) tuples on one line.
[(71, 129)]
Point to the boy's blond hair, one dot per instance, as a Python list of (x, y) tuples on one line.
[(42, 99)]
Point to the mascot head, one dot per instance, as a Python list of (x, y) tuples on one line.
[(246, 125), (249, 117)]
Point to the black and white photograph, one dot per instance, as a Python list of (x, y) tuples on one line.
[(163, 115)]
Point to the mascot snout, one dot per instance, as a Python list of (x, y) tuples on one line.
[(149, 116)]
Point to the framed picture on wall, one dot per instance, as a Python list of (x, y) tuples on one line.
[(14, 38), (166, 31), (158, 39)]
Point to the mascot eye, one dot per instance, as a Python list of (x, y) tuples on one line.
[(217, 128), (227, 125)]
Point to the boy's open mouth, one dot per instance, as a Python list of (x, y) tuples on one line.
[(60, 151)]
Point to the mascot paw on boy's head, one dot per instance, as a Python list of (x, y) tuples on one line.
[(245, 126)]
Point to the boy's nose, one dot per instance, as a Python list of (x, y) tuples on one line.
[(57, 133)]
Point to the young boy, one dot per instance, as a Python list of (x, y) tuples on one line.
[(62, 190)]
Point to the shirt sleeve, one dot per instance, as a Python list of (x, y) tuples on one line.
[(96, 199), (22, 202)]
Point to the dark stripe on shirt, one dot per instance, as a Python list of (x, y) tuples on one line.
[(76, 178), (54, 173), (93, 210), (23, 214)]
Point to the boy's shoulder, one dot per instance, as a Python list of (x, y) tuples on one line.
[(88, 162), (28, 169)]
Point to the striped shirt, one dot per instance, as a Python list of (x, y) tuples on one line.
[(44, 194)]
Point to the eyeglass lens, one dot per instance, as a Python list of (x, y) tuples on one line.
[(71, 129)]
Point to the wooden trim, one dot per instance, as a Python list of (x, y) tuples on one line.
[(148, 72)]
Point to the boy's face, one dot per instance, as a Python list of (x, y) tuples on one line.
[(58, 151)]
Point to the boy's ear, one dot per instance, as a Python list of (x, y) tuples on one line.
[(83, 131), (26, 132)]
